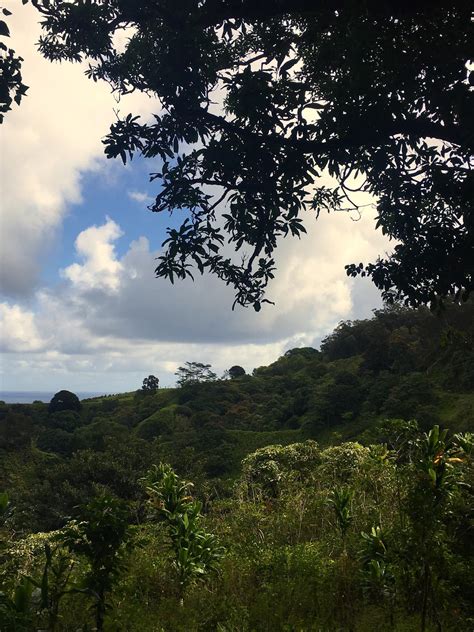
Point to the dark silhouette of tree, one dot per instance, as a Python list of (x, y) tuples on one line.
[(64, 400), (194, 372), (236, 371), (376, 96), (151, 383)]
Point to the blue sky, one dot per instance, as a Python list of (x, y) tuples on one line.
[(79, 305), (108, 195), (121, 192)]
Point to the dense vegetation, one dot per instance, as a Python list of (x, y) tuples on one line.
[(327, 495)]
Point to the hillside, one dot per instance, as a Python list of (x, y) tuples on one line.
[(401, 364), (325, 496)]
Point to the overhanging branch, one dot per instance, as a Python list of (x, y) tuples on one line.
[(420, 128)]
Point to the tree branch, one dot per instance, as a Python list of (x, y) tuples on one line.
[(421, 128)]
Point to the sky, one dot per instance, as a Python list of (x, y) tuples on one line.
[(80, 307)]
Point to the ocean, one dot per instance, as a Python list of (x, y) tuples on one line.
[(28, 397)]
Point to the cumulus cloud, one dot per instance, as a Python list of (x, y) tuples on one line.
[(18, 330), (311, 292), (111, 317), (47, 143), (100, 268)]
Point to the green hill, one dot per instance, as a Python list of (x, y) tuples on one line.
[(400, 364), (321, 498)]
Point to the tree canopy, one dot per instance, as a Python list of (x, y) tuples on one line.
[(194, 372), (151, 383), (64, 400), (236, 371), (269, 113)]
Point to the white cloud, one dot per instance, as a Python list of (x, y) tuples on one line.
[(47, 142), (111, 322), (100, 268), (18, 330), (139, 196)]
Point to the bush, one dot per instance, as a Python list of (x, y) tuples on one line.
[(266, 468), (341, 462)]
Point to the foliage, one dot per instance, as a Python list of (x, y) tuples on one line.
[(236, 371), (100, 538), (64, 400), (5, 514), (50, 462), (159, 423), (54, 583), (16, 431), (196, 552), (12, 88), (369, 528), (268, 468), (15, 615), (296, 109), (67, 420), (150, 383), (343, 462), (194, 372), (341, 500), (365, 538), (39, 570), (47, 489), (4, 507), (377, 573)]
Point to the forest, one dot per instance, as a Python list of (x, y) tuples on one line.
[(330, 490)]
